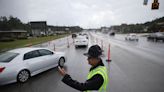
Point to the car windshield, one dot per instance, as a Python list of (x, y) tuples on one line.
[(133, 35), (7, 56), (81, 37)]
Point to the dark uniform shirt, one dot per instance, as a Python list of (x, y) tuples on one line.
[(91, 84)]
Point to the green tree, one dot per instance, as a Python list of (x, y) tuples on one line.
[(4, 23), (15, 23), (12, 23)]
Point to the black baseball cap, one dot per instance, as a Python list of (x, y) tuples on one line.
[(94, 51)]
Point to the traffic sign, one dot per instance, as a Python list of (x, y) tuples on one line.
[(155, 5)]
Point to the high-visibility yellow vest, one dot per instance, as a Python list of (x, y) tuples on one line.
[(103, 72)]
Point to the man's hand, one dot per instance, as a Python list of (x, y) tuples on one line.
[(62, 71)]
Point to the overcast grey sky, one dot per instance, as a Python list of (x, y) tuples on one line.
[(84, 13)]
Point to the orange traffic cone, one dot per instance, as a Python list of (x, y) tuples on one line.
[(28, 45), (109, 60)]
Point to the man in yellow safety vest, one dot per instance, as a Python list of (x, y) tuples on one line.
[(97, 79)]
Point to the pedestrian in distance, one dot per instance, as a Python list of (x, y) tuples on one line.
[(97, 79)]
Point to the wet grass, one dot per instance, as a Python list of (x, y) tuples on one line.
[(26, 42)]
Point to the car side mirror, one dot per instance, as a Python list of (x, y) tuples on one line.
[(52, 53)]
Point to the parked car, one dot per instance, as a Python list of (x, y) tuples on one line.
[(132, 37), (19, 65), (156, 36), (81, 41)]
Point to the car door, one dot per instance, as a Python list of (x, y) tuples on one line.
[(49, 57), (34, 61)]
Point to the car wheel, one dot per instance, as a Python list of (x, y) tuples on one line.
[(61, 62), (23, 76)]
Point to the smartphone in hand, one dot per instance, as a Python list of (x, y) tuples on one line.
[(60, 66)]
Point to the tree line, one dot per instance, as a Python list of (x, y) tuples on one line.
[(152, 26), (11, 23)]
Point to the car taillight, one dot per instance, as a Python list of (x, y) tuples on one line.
[(1, 69)]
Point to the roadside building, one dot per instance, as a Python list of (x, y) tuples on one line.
[(12, 34), (161, 24), (58, 30), (105, 29), (38, 28), (52, 30)]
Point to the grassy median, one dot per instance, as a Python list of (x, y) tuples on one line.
[(25, 42)]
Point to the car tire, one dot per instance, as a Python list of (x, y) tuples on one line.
[(61, 62), (23, 76)]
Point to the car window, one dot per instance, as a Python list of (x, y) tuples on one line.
[(81, 37), (133, 35), (44, 52), (159, 34), (31, 54), (162, 34), (7, 56)]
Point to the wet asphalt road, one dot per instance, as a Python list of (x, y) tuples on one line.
[(135, 67)]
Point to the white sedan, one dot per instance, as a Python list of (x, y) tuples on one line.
[(131, 37), (19, 65), (81, 41)]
